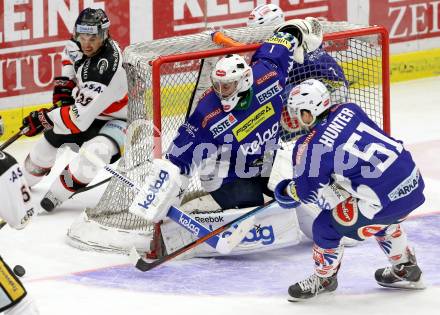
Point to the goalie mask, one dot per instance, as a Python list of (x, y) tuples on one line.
[(266, 14), (312, 96), (231, 78), (92, 22)]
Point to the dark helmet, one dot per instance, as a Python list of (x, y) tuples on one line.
[(92, 21)]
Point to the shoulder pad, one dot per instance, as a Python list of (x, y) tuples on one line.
[(102, 67)]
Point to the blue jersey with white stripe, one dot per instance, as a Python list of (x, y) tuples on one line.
[(231, 145), (349, 149)]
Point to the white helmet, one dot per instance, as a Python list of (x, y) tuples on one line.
[(266, 14), (310, 95), (230, 77)]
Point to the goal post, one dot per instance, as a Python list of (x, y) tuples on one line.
[(162, 78)]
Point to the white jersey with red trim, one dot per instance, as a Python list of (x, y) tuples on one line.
[(101, 91), (16, 204)]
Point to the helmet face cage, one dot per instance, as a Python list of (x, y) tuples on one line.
[(231, 76), (266, 14), (92, 22), (311, 95)]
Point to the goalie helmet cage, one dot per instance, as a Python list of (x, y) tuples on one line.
[(165, 79)]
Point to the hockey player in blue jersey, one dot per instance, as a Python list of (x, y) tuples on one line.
[(230, 137), (317, 64), (365, 182)]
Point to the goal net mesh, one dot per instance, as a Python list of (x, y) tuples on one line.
[(159, 104)]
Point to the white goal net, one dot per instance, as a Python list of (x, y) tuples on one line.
[(162, 78)]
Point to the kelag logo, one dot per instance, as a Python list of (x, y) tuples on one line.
[(189, 224), (264, 234), (154, 189)]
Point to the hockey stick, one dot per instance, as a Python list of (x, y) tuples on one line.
[(84, 189), (222, 245), (143, 265), (12, 139)]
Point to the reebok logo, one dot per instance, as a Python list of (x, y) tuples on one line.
[(210, 219)]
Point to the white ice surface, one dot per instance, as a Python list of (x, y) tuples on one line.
[(56, 274)]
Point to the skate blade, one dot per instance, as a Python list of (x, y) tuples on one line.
[(321, 296), (408, 285)]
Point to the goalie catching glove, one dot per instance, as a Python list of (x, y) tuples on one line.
[(307, 31), (163, 188)]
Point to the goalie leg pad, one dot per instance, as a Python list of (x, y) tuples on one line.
[(282, 167), (273, 228)]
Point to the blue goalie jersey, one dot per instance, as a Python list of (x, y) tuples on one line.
[(349, 149), (230, 145)]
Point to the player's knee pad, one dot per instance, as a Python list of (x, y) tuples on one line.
[(116, 131), (275, 227), (39, 161), (394, 243), (82, 168), (12, 290)]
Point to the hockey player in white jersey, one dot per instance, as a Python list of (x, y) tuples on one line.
[(16, 209), (89, 110)]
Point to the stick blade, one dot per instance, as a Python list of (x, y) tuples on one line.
[(133, 256), (227, 244)]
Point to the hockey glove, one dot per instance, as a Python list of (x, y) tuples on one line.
[(163, 188), (37, 121), (62, 92), (307, 31), (285, 194)]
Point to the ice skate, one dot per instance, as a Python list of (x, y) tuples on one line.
[(311, 287), (404, 276)]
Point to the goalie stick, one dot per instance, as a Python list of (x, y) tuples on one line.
[(143, 265), (222, 245)]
